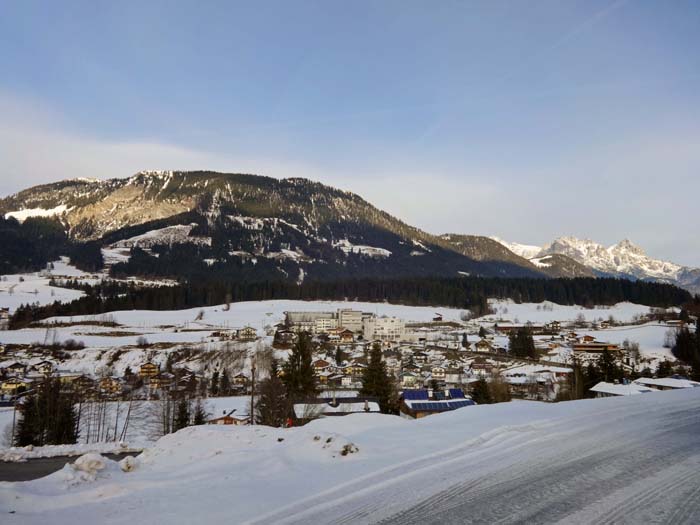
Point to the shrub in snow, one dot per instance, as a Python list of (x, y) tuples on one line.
[(350, 448)]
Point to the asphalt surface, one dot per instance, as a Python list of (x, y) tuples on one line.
[(40, 467)]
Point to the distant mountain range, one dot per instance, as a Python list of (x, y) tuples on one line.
[(624, 259), (257, 227)]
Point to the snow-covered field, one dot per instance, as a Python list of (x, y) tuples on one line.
[(195, 325), (650, 337), (621, 460), (539, 313), (261, 313), (33, 288)]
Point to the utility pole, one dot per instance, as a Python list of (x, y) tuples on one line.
[(14, 414), (252, 392)]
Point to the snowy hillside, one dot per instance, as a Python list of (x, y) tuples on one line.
[(19, 289), (632, 460)]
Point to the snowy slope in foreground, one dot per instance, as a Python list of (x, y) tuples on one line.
[(631, 459)]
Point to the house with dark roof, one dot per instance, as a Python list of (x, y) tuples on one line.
[(416, 404)]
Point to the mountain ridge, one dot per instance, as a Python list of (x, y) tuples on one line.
[(308, 228), (297, 227)]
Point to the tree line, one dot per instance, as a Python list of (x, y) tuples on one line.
[(30, 245), (687, 348), (469, 293)]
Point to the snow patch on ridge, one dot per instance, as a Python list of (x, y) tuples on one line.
[(347, 247), (526, 251), (23, 215), (169, 235)]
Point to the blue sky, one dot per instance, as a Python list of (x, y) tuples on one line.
[(526, 120)]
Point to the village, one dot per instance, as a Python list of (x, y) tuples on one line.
[(435, 363)]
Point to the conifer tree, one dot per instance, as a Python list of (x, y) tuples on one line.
[(608, 367), (299, 378), (215, 384), (376, 381), (339, 356), (664, 369), (182, 416), (480, 392), (27, 426), (521, 343), (224, 384), (48, 417), (199, 416), (273, 405)]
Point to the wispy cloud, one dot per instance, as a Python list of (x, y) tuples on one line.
[(37, 146)]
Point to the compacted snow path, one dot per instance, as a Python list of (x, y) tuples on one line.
[(627, 464), (645, 477)]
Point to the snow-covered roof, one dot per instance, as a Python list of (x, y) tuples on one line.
[(536, 369), (615, 389), (666, 382), (304, 410), (329, 394)]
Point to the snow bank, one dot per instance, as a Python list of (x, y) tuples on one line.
[(333, 468), (22, 454)]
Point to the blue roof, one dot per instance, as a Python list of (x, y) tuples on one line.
[(461, 403), (415, 395), (456, 393), (432, 407)]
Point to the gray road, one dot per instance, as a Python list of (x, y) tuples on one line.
[(40, 467)]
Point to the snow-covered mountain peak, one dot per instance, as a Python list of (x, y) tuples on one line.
[(627, 246), (527, 251), (625, 259), (154, 173)]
